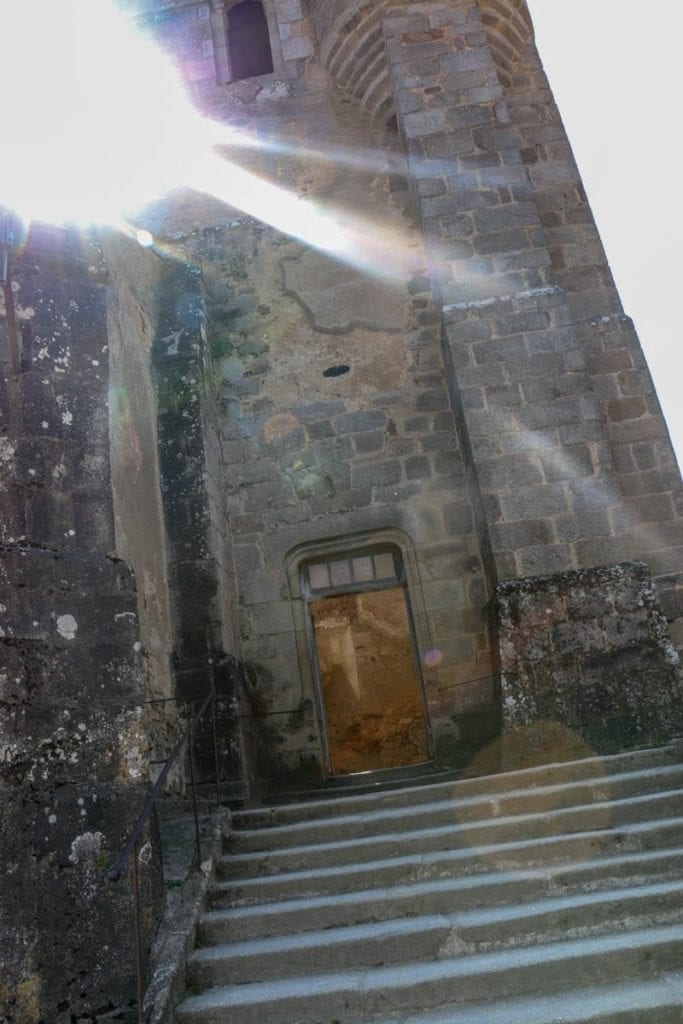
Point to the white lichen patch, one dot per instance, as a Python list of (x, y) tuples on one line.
[(21, 313), (67, 627), (86, 847), (276, 90), (134, 750), (134, 762), (145, 854), (454, 946), (67, 418), (7, 451)]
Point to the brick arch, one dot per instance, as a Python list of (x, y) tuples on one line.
[(352, 45), (508, 30), (353, 52)]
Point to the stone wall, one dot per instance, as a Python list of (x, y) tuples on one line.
[(140, 533), (73, 762), (194, 33), (587, 652), (55, 456), (670, 588), (198, 542), (73, 768), (486, 398), (336, 418), (569, 445)]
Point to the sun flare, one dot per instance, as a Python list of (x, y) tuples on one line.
[(102, 126), (96, 119)]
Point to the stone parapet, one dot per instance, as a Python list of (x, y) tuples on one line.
[(589, 652)]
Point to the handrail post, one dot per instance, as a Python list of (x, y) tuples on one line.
[(7, 242), (216, 766), (132, 847), (139, 967), (198, 842)]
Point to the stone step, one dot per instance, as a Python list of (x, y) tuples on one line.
[(651, 1001), (511, 803), (437, 936), (317, 952), (615, 814), (460, 982), (376, 782), (650, 839), (524, 779), (447, 895)]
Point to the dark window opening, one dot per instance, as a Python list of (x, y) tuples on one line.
[(249, 41), (336, 371)]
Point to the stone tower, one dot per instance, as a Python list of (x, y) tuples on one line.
[(464, 389), (400, 488)]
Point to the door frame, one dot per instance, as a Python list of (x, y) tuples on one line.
[(310, 595)]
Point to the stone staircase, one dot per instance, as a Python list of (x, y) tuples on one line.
[(533, 897)]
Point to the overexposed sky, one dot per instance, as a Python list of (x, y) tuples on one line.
[(614, 66)]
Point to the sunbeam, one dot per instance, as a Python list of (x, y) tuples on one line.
[(94, 126), (100, 131), (377, 248)]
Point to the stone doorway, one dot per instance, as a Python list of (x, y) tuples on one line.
[(371, 693)]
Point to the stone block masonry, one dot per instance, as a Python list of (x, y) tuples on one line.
[(491, 406), (475, 401), (73, 769), (309, 457), (72, 779), (199, 546), (571, 456), (553, 389), (588, 652), (54, 470)]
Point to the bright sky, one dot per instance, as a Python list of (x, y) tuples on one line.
[(614, 67), (100, 142)]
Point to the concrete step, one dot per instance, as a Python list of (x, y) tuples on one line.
[(651, 1001), (615, 814), (653, 836), (447, 895), (320, 951), (438, 935), (382, 780), (459, 901), (460, 982), (511, 803), (545, 775)]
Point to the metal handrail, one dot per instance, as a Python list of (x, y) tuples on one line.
[(7, 242), (133, 844), (114, 873)]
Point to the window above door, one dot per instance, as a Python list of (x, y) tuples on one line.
[(364, 569)]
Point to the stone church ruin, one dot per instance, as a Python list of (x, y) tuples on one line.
[(404, 501)]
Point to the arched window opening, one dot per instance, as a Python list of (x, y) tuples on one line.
[(248, 41)]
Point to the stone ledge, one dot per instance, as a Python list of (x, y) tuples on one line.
[(186, 890), (589, 650)]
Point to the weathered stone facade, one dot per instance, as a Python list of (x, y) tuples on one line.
[(74, 739), (462, 388), (588, 650)]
